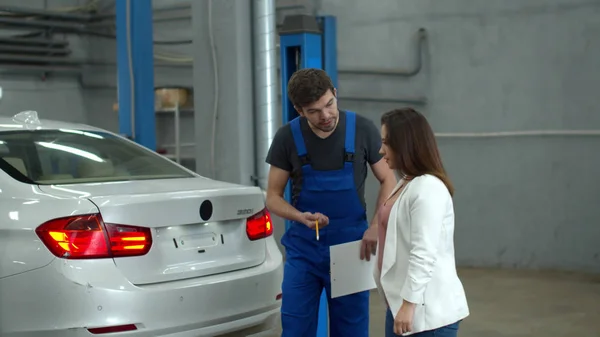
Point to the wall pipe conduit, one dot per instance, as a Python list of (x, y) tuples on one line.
[(42, 23), (265, 83), (529, 133), (421, 37), (46, 13), (400, 100), (22, 58), (82, 17), (29, 69), (75, 64), (29, 50), (50, 43)]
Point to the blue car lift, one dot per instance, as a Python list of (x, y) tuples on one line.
[(135, 71), (307, 42)]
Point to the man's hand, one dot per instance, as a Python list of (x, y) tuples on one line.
[(404, 318), (310, 220), (369, 243)]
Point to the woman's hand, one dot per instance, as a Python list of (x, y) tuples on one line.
[(404, 318)]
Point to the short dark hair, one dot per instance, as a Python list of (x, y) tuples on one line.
[(307, 86), (413, 143)]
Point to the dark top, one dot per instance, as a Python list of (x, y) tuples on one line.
[(327, 154)]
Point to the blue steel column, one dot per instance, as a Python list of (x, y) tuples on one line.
[(308, 47), (329, 25), (300, 37), (135, 71)]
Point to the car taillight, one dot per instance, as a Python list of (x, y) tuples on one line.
[(259, 225), (88, 237)]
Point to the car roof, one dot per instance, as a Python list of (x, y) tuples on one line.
[(16, 123)]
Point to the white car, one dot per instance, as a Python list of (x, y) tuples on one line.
[(100, 236)]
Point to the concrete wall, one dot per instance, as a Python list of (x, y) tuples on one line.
[(59, 99), (234, 129), (54, 97), (496, 65)]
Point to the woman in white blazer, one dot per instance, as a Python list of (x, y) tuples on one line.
[(416, 271)]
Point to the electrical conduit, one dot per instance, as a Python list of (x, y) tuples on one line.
[(265, 82)]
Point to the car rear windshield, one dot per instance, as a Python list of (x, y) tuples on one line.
[(77, 156)]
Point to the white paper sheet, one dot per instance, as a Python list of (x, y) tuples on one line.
[(350, 274)]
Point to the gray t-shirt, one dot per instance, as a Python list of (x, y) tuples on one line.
[(327, 154)]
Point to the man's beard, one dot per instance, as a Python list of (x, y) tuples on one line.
[(329, 128)]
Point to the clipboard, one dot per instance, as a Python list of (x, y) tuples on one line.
[(350, 274)]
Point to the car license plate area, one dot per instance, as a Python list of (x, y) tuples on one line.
[(199, 237), (197, 241)]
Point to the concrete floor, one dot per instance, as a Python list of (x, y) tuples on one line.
[(509, 303)]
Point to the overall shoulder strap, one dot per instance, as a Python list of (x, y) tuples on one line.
[(299, 140), (350, 135)]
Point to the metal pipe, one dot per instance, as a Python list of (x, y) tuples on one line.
[(63, 60), (20, 69), (34, 50), (93, 63), (41, 23), (46, 13), (173, 42), (289, 7), (528, 133), (265, 82), (66, 30), (177, 135), (156, 18), (112, 36), (176, 17), (38, 59), (77, 28), (421, 35), (26, 69), (401, 100), (155, 10), (34, 41), (84, 17)]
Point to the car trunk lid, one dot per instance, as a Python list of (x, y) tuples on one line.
[(198, 225)]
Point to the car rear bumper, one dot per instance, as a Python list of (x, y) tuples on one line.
[(67, 297)]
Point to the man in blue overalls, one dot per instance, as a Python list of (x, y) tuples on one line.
[(325, 153)]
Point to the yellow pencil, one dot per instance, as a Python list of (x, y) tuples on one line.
[(317, 226)]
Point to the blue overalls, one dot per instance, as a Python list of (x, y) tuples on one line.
[(307, 270)]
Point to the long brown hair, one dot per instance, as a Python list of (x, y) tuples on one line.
[(413, 143)]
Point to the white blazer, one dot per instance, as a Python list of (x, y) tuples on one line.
[(418, 258)]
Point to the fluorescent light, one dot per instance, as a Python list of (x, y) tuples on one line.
[(72, 150)]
